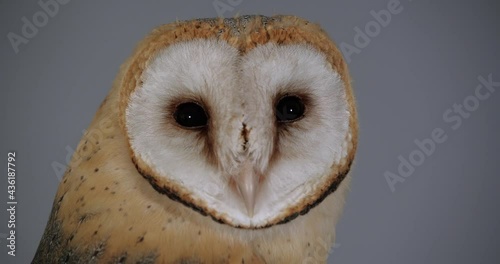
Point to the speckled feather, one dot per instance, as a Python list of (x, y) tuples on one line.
[(106, 212)]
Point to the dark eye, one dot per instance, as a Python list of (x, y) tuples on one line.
[(190, 115), (289, 109)]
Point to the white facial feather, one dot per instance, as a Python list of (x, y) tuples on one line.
[(241, 89)]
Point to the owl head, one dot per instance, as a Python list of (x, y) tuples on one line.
[(249, 120)]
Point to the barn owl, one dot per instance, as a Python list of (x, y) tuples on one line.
[(221, 141)]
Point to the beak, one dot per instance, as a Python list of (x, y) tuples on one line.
[(247, 182)]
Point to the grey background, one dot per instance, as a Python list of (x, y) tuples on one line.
[(424, 61)]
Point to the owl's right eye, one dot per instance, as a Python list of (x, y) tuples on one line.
[(190, 115)]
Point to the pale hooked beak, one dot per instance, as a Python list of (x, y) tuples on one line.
[(247, 182)]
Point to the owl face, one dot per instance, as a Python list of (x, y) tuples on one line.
[(250, 135)]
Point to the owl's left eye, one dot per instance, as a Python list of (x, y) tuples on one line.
[(190, 115), (289, 109)]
